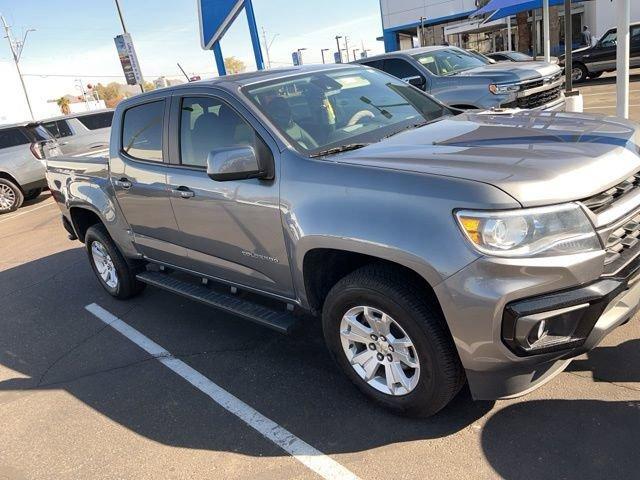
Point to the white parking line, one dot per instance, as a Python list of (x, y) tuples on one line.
[(20, 213), (303, 452), (609, 106)]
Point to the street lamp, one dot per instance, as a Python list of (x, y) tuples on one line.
[(322, 53), (16, 47), (300, 50), (354, 53), (339, 56)]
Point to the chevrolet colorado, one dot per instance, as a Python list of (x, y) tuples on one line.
[(436, 248)]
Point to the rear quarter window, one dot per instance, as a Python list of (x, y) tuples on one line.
[(11, 137), (97, 120)]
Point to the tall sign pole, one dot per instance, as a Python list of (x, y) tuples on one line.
[(127, 54), (253, 31)]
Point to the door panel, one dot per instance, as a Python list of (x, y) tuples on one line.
[(139, 177), (232, 229)]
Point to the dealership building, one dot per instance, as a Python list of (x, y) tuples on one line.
[(411, 23)]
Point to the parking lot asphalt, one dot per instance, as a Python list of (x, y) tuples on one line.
[(599, 95), (78, 399)]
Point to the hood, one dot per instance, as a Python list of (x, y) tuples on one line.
[(539, 158), (512, 71)]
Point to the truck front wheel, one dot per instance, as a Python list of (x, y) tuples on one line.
[(391, 342), (116, 275)]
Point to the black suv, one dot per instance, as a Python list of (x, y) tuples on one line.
[(591, 62)]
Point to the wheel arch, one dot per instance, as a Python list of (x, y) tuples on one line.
[(82, 218), (323, 266), (12, 179)]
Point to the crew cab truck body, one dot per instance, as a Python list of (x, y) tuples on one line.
[(469, 81), (436, 248)]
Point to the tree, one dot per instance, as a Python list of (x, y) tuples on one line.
[(234, 65), (112, 93), (148, 86), (63, 103)]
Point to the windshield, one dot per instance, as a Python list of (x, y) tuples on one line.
[(448, 61), (521, 57), (320, 111)]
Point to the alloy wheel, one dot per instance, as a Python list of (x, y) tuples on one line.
[(7, 197), (104, 264), (379, 350)]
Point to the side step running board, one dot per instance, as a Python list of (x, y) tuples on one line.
[(282, 322)]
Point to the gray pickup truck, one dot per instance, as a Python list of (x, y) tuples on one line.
[(437, 249)]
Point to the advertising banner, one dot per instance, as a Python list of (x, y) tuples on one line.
[(128, 59)]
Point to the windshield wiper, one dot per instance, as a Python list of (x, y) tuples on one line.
[(341, 148)]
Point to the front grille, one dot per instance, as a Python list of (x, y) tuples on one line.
[(622, 245), (602, 201), (538, 99)]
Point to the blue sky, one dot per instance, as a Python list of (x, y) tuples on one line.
[(76, 38)]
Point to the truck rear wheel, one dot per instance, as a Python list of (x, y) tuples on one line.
[(11, 197), (389, 340), (116, 275)]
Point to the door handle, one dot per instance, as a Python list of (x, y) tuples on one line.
[(123, 183), (183, 192)]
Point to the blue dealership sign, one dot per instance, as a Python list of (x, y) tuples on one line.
[(215, 17)]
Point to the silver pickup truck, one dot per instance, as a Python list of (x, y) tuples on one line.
[(437, 249), (469, 81)]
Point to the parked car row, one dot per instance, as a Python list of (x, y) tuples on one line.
[(24, 147)]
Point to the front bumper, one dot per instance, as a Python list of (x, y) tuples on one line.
[(476, 302)]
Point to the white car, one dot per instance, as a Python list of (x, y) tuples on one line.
[(82, 132)]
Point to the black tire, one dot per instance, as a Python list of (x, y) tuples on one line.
[(441, 373), (583, 72), (13, 191), (32, 194), (595, 74), (127, 286)]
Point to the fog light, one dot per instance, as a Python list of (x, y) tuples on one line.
[(553, 328), (538, 332)]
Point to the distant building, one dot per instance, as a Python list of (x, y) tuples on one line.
[(448, 21)]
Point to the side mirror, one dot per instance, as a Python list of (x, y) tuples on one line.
[(416, 81), (236, 163)]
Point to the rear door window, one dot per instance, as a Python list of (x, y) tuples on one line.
[(11, 137), (400, 68), (58, 128), (374, 64), (142, 131), (96, 120)]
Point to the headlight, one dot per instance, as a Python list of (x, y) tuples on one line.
[(504, 88), (545, 231)]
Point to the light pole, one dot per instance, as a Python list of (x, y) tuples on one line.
[(346, 46), (622, 59), (80, 86), (16, 47), (339, 56), (267, 46), (354, 53), (300, 50), (322, 53)]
